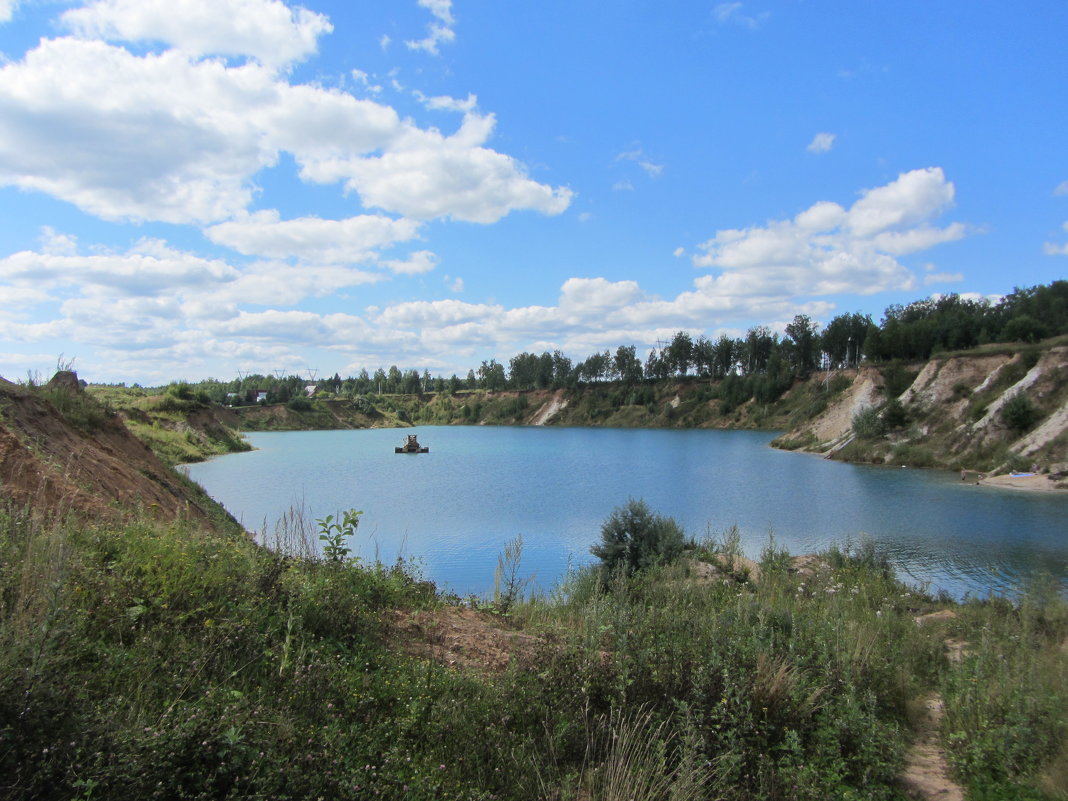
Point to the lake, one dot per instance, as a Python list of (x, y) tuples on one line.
[(453, 510)]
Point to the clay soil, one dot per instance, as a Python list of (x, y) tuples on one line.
[(99, 472)]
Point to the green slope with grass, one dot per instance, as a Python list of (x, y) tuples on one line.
[(161, 661)]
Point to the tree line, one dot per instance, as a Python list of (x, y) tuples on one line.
[(762, 364)]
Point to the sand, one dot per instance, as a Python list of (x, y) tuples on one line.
[(1033, 483)]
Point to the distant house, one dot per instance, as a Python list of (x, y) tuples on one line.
[(259, 396), (310, 390)]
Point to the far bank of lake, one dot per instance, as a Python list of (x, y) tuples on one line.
[(453, 509)]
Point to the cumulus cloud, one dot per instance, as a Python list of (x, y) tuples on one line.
[(422, 261), (425, 174), (821, 143), (827, 249), (266, 30), (311, 239), (438, 32), (149, 268), (7, 9), (164, 137)]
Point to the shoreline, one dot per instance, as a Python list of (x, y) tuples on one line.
[(1031, 483)]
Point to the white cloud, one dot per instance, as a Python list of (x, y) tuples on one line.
[(142, 138), (422, 261), (148, 268), (827, 249), (821, 143), (438, 33), (914, 197), (732, 13), (454, 284), (1062, 189), (266, 30), (364, 80), (596, 295), (652, 169), (272, 283), (311, 239), (1053, 249), (622, 185), (7, 9), (424, 174), (161, 137), (445, 103)]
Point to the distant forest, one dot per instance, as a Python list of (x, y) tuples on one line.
[(761, 365)]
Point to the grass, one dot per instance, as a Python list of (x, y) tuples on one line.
[(162, 661)]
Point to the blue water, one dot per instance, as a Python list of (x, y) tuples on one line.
[(452, 510)]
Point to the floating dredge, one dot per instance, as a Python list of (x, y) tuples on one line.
[(411, 446)]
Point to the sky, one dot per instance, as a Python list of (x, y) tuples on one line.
[(193, 188)]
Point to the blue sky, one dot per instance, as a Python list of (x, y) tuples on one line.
[(189, 188)]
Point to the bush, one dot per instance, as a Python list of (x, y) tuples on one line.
[(867, 424), (894, 414), (634, 538), (1019, 413)]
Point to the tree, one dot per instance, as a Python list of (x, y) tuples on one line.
[(804, 350), (723, 356), (634, 538), (679, 353), (759, 343), (704, 356), (491, 375), (844, 337), (561, 370), (627, 365)]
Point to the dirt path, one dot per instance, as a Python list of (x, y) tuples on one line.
[(926, 773)]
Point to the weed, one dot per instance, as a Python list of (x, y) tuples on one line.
[(336, 535)]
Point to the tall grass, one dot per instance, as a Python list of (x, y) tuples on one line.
[(161, 661)]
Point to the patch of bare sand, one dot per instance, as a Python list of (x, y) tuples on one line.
[(547, 412), (735, 568), (462, 638), (1032, 483)]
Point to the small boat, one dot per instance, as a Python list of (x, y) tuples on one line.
[(411, 446)]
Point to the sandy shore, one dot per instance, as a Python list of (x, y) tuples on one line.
[(1033, 483)]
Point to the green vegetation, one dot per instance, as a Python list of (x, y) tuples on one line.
[(1019, 412), (635, 538), (162, 661)]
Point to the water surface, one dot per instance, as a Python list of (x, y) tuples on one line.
[(453, 509)]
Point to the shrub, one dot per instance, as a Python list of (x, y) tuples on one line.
[(1019, 413), (894, 414), (299, 404), (867, 424), (634, 538)]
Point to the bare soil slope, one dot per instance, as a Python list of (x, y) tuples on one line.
[(62, 454), (954, 415)]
